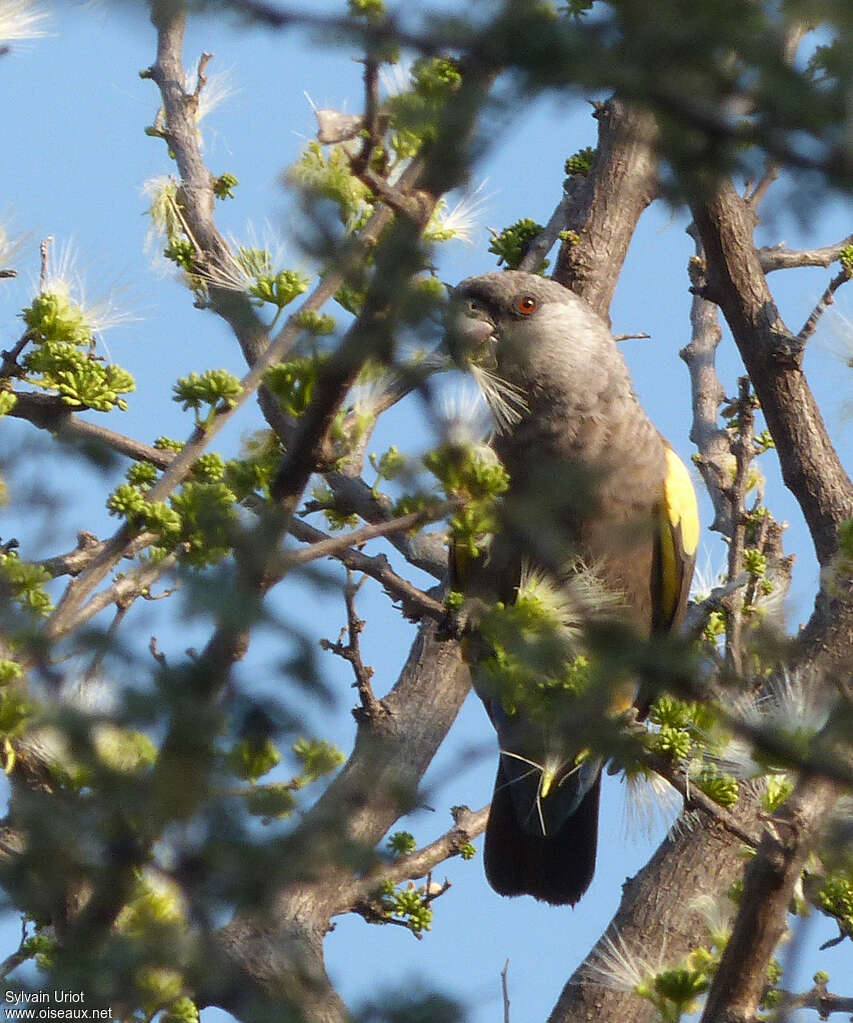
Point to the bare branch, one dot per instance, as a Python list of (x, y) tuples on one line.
[(414, 602), (824, 1002), (466, 827), (826, 300), (547, 237), (641, 336), (44, 250), (770, 174), (333, 545), (707, 394), (351, 651), (697, 615), (49, 412), (778, 257), (122, 592)]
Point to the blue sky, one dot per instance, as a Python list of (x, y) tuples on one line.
[(75, 158)]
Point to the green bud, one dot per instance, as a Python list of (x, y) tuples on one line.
[(511, 244), (717, 785), (182, 1010), (401, 843), (271, 802), (224, 185), (251, 759), (318, 758), (581, 162)]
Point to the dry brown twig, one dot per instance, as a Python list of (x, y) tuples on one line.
[(351, 650)]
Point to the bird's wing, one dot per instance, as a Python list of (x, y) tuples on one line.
[(676, 542)]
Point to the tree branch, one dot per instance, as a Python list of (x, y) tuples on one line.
[(810, 465), (49, 412), (769, 882), (605, 207), (415, 603), (707, 395), (467, 825), (778, 257)]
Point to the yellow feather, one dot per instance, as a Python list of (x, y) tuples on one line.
[(680, 502), (679, 530)]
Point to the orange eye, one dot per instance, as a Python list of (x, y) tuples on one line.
[(525, 305)]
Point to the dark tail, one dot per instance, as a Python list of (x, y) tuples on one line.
[(557, 868)]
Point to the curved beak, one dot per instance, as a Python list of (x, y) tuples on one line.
[(466, 335)]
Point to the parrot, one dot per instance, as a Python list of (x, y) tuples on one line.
[(599, 509)]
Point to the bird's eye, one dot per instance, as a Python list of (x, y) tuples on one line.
[(474, 306), (525, 305)]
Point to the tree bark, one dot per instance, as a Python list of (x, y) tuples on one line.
[(659, 919), (281, 950), (773, 358), (604, 207)]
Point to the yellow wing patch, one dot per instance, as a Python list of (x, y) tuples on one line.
[(679, 539), (680, 502)]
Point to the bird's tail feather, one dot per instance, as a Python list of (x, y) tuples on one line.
[(557, 868)]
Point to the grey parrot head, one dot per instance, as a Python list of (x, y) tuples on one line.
[(522, 332)]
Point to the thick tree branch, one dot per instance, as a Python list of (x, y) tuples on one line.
[(660, 909), (769, 884), (707, 395), (778, 257), (772, 355), (605, 207), (377, 784)]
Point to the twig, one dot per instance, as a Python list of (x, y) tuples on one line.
[(201, 78), (332, 545), (351, 652), (642, 336), (505, 991), (156, 652), (743, 449), (826, 300), (406, 203), (121, 612), (123, 591), (414, 602), (423, 550), (467, 825), (695, 798), (371, 114), (44, 248), (9, 366), (547, 237), (49, 412), (771, 172), (697, 615), (824, 1002)]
